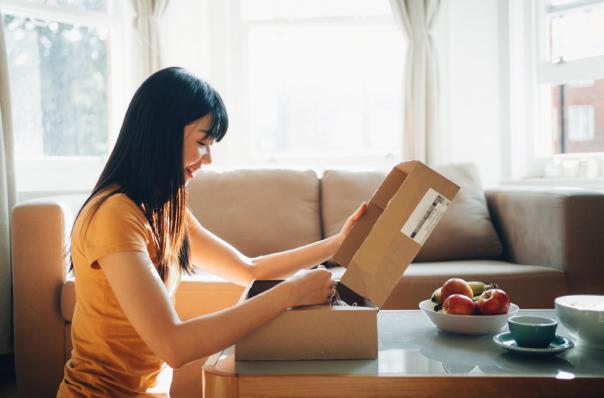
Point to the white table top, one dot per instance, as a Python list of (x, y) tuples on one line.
[(410, 345)]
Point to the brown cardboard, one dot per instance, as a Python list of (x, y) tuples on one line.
[(399, 218), (313, 332), (376, 252)]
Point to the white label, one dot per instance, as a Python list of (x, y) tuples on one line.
[(426, 215)]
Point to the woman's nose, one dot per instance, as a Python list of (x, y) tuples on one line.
[(207, 157)]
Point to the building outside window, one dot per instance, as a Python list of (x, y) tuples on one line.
[(580, 123), (573, 74)]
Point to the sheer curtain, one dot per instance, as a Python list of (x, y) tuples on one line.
[(146, 21), (8, 197), (420, 133)]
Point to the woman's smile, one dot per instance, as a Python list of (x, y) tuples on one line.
[(191, 171)]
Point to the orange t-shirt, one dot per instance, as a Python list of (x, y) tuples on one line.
[(109, 358)]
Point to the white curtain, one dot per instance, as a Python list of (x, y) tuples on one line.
[(146, 21), (420, 133), (8, 197)]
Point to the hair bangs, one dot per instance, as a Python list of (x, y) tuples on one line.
[(220, 119), (205, 100)]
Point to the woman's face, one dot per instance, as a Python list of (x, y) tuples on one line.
[(196, 148)]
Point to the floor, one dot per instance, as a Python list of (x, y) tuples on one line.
[(8, 385)]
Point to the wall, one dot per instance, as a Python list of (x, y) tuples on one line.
[(485, 78), (184, 39), (190, 38), (468, 41), (468, 37)]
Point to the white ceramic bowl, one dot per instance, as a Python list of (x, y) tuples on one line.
[(583, 317), (466, 324)]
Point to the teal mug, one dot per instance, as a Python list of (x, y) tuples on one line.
[(532, 331)]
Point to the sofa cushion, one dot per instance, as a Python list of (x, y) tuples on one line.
[(529, 286), (258, 211), (465, 231), (68, 298), (197, 294)]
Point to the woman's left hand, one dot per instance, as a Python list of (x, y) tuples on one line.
[(350, 222)]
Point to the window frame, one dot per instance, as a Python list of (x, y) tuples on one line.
[(47, 173), (231, 69), (549, 72)]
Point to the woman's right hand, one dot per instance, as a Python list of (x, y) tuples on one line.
[(310, 287)]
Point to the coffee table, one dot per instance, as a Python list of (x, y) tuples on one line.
[(416, 360)]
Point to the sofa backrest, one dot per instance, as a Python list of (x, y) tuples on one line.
[(465, 232), (268, 210), (258, 211)]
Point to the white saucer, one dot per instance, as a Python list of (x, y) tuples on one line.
[(559, 344)]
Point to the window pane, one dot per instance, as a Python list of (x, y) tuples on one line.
[(580, 123), (271, 9), (326, 90), (59, 79), (577, 33), (578, 117), (91, 5)]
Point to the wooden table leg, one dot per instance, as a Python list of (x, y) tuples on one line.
[(219, 378)]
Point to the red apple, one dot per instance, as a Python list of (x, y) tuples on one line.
[(493, 302), (456, 286), (458, 304)]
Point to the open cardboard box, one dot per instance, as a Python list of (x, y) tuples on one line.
[(400, 216)]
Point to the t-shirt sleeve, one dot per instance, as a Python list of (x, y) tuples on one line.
[(117, 225)]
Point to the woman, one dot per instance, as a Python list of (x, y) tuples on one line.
[(134, 237)]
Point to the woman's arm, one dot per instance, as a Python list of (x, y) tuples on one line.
[(218, 257), (283, 264), (147, 305)]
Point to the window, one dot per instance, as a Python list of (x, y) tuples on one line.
[(580, 123), (572, 73), (63, 75), (95, 5), (575, 29), (320, 81)]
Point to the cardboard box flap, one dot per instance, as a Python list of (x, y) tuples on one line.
[(356, 236), (389, 186), (376, 205), (400, 216)]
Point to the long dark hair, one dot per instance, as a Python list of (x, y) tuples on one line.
[(147, 163)]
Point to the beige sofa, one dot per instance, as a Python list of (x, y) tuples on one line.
[(545, 243)]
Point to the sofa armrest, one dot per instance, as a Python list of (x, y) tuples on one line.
[(40, 233), (558, 227)]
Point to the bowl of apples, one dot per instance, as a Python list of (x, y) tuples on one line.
[(473, 308)]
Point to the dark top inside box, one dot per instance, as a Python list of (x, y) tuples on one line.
[(344, 293)]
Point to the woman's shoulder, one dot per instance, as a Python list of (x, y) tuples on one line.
[(112, 207), (109, 222), (112, 199), (119, 202)]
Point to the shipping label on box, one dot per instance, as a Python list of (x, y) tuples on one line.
[(426, 215)]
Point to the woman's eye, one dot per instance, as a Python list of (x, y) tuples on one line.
[(201, 143)]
